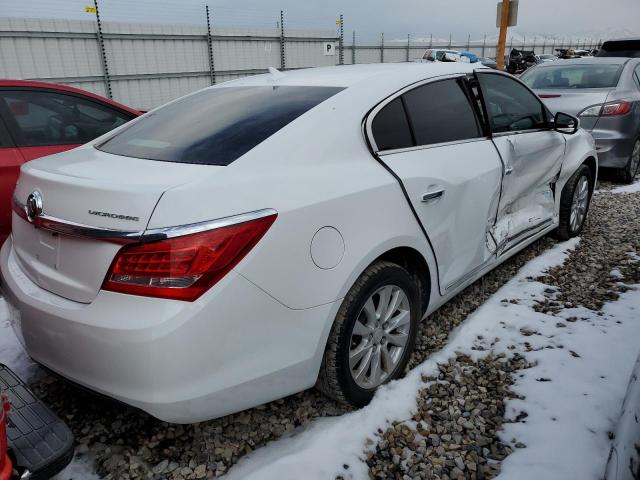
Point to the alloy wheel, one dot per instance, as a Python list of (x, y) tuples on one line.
[(579, 204), (379, 337)]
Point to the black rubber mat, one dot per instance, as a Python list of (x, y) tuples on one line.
[(39, 441)]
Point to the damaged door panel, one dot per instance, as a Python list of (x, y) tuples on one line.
[(531, 155), (451, 172)]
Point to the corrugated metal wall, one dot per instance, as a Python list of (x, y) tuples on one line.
[(150, 64)]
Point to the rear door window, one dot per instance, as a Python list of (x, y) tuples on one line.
[(440, 112), (217, 125), (40, 118), (391, 128)]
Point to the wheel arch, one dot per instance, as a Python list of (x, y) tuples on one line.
[(592, 163), (415, 263)]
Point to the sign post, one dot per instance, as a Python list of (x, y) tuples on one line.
[(507, 16)]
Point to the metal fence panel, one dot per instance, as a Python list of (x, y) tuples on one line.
[(150, 64)]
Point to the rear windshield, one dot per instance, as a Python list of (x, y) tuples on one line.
[(572, 76), (215, 126), (620, 48)]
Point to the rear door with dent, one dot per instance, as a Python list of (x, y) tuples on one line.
[(432, 139)]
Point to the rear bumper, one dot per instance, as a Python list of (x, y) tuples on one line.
[(234, 348), (613, 147)]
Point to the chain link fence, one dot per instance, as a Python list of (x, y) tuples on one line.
[(146, 64)]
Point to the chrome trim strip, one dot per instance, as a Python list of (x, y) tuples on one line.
[(467, 276), (155, 234), (530, 230), (384, 153), (65, 227)]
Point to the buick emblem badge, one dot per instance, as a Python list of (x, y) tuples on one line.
[(34, 205)]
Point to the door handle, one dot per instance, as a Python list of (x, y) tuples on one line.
[(431, 196), (508, 170)]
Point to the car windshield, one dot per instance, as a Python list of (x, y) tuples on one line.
[(573, 76), (217, 125)]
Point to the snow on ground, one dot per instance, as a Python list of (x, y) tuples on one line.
[(571, 401), (13, 355), (633, 188), (11, 352)]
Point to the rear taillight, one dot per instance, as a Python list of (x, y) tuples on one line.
[(615, 108), (610, 109), (184, 267)]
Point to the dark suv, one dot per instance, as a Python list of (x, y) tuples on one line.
[(628, 47)]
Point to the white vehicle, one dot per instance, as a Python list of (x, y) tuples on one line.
[(439, 55), (259, 237)]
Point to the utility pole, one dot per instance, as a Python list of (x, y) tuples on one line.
[(341, 41), (103, 52), (502, 37)]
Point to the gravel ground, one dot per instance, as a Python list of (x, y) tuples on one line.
[(463, 410), (453, 433)]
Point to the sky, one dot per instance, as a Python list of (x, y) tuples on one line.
[(396, 18)]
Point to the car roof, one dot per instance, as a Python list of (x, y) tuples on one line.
[(624, 39), (586, 61), (349, 75), (65, 88)]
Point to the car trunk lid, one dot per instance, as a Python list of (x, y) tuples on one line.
[(88, 188), (574, 101)]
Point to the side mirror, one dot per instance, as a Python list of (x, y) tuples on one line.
[(565, 123)]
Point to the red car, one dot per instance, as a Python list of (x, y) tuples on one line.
[(6, 469), (38, 119)]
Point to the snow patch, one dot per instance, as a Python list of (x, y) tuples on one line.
[(321, 450), (633, 188)]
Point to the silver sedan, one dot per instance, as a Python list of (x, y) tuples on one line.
[(604, 93)]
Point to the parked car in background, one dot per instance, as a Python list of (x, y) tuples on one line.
[(605, 94), (38, 119), (440, 55), (546, 57), (473, 58), (6, 467), (521, 60), (213, 258), (624, 455), (488, 62), (34, 442), (580, 52), (629, 47)]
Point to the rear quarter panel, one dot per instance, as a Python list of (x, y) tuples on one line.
[(315, 172)]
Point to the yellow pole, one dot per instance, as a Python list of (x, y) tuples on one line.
[(502, 38)]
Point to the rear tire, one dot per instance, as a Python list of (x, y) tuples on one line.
[(628, 173), (574, 203), (373, 334)]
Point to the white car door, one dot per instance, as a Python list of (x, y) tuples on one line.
[(532, 154), (431, 137)]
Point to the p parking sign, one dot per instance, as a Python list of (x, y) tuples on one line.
[(330, 48)]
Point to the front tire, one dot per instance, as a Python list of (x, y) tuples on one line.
[(373, 334), (630, 170), (574, 203)]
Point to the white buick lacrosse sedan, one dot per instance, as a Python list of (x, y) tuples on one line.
[(273, 233)]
